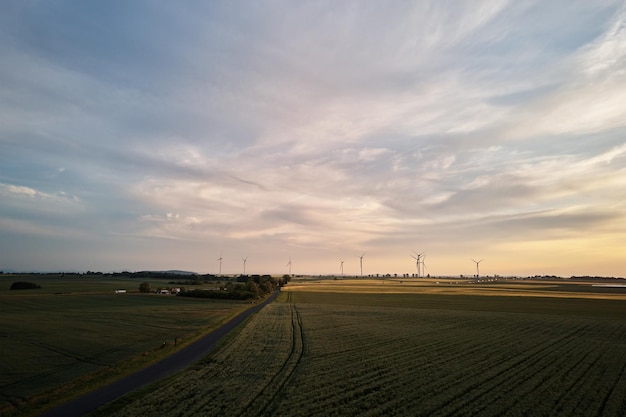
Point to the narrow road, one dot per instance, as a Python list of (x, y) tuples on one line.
[(166, 367)]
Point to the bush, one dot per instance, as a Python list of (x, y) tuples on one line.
[(21, 285), (144, 287)]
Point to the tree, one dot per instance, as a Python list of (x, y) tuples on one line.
[(144, 287), (24, 286)]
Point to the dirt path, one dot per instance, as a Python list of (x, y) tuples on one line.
[(168, 366)]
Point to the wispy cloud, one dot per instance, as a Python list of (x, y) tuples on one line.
[(320, 130), (30, 198)]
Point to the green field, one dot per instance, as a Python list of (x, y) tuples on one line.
[(78, 328), (360, 347), (349, 354)]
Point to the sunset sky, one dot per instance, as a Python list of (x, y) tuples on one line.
[(152, 135)]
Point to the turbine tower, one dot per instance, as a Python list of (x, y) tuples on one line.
[(418, 262), (341, 266), (477, 270), (289, 265), (244, 264), (220, 260), (361, 261)]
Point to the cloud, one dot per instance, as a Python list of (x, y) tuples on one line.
[(605, 58), (323, 127), (589, 97), (30, 197)]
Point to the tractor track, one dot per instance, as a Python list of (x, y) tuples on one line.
[(270, 393)]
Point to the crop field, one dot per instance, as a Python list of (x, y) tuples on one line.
[(523, 288), (424, 354), (72, 328)]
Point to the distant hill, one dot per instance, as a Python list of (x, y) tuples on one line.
[(176, 271), (168, 274)]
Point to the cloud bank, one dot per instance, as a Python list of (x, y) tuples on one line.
[(150, 136)]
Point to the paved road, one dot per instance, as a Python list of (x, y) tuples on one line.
[(166, 367)]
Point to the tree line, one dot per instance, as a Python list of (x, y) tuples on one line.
[(246, 288)]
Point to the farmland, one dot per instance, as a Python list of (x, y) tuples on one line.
[(340, 348), (76, 331)]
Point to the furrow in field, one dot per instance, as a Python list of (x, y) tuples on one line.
[(572, 370), (424, 342), (614, 403), (570, 388), (355, 381), (481, 357), (576, 385), (568, 404), (504, 371), (383, 349), (590, 398), (533, 380), (369, 368), (514, 386)]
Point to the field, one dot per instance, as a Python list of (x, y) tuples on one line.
[(502, 287), (79, 329), (340, 348)]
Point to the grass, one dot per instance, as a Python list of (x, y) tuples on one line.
[(357, 352), (75, 334)]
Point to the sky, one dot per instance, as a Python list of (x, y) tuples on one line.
[(156, 135)]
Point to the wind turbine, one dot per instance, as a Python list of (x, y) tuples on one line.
[(477, 270), (244, 264), (417, 258), (341, 266), (220, 259), (289, 265), (361, 261)]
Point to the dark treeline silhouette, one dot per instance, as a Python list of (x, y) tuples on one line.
[(123, 274), (161, 275), (596, 278), (22, 285), (578, 278), (245, 288)]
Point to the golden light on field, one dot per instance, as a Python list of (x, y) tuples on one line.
[(512, 288)]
